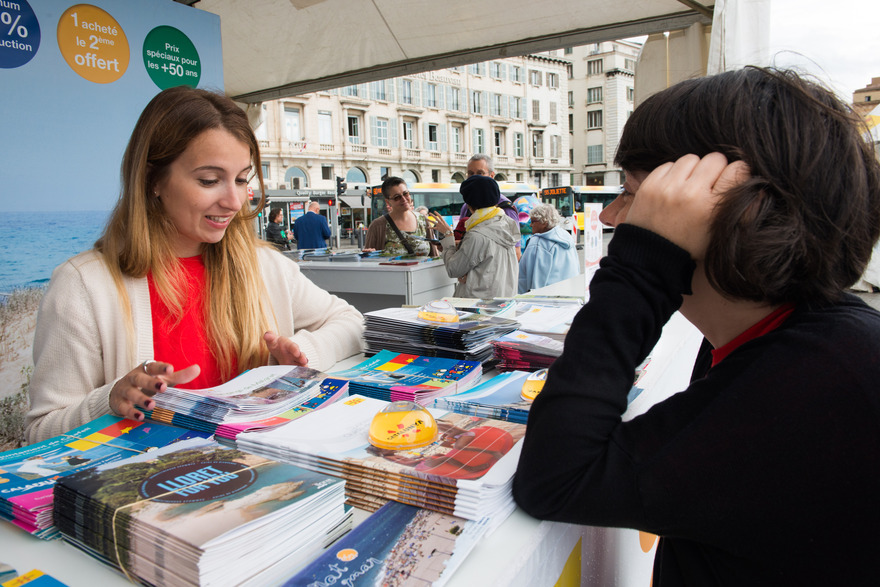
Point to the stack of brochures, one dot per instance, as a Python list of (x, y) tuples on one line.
[(525, 351), (262, 397), (28, 475), (397, 541), (401, 330), (543, 316), (394, 376), (467, 471), (499, 398), (197, 513)]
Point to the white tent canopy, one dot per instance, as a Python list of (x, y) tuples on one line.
[(278, 48)]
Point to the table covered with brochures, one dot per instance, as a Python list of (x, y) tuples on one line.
[(516, 551)]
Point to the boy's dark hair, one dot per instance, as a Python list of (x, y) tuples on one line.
[(801, 229), (390, 183)]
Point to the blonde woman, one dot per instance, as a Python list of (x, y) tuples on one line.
[(179, 276)]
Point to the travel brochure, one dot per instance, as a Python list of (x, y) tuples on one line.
[(525, 351), (466, 471), (398, 545), (261, 397), (198, 513), (29, 474), (401, 330), (394, 376), (500, 398)]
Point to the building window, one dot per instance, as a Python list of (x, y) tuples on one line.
[(477, 69), (595, 154), (552, 112), (570, 99), (552, 80), (408, 142), (433, 144), (479, 141), (571, 124), (435, 175), (594, 119), (517, 107), (518, 144), (455, 99), (629, 64), (496, 104), (377, 90), (519, 177), (495, 70), (354, 130), (326, 172), (516, 74), (537, 144), (534, 77), (406, 92), (594, 67), (350, 91), (291, 124), (265, 167), (498, 146), (567, 51), (457, 143), (536, 110), (325, 128), (431, 96), (594, 95), (554, 180), (380, 132), (631, 94), (476, 101), (554, 147), (384, 173)]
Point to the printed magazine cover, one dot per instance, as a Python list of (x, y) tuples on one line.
[(196, 511), (398, 545), (28, 474), (466, 471)]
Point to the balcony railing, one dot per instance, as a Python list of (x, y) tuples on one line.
[(413, 153)]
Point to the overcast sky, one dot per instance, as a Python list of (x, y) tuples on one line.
[(837, 40)]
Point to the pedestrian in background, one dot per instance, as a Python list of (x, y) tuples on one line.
[(485, 259), (550, 255), (311, 229), (274, 233)]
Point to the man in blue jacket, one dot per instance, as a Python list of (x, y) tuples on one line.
[(311, 229)]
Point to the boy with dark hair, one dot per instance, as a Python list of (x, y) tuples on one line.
[(751, 203)]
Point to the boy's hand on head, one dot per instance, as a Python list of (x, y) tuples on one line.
[(677, 200)]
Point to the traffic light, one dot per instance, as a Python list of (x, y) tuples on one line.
[(340, 186)]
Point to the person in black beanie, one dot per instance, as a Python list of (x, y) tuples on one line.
[(486, 255)]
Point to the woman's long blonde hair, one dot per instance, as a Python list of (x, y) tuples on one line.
[(138, 237)]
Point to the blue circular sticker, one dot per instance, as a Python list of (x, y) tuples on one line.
[(19, 34)]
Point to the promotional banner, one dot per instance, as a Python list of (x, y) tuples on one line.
[(73, 80)]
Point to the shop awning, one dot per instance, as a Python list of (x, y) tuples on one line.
[(278, 48)]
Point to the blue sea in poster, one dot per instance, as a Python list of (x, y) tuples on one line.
[(32, 244)]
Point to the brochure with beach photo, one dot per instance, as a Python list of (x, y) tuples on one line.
[(258, 398), (28, 474), (398, 545), (500, 398), (198, 513), (467, 471)]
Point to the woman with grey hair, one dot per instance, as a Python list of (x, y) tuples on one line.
[(550, 254)]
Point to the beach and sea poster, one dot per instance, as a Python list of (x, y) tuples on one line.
[(74, 77)]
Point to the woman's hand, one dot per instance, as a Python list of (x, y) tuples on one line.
[(677, 200), (439, 224), (285, 351), (139, 385)]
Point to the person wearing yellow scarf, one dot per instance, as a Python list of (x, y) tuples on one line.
[(486, 255)]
